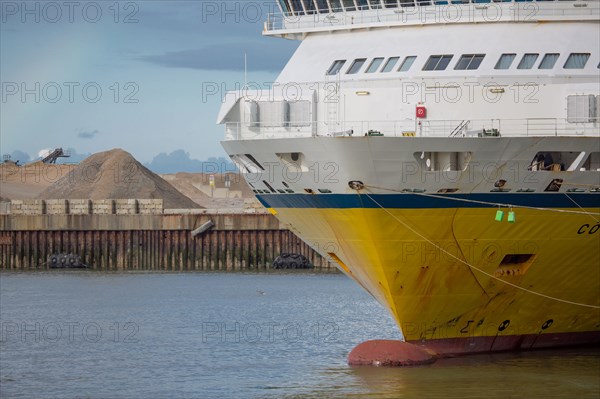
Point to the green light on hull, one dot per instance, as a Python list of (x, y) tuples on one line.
[(511, 217), (499, 215)]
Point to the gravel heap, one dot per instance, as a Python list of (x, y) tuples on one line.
[(115, 174)]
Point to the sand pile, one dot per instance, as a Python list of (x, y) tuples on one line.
[(115, 174), (29, 180)]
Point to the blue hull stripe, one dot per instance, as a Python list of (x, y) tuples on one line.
[(415, 201)]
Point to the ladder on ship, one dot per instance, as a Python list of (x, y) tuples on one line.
[(332, 103), (462, 126)]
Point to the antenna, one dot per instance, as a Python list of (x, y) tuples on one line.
[(245, 70)]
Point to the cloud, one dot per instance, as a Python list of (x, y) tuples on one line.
[(229, 56), (87, 135), (74, 156), (180, 161)]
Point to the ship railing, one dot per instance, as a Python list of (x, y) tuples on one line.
[(433, 11), (418, 128), (476, 127)]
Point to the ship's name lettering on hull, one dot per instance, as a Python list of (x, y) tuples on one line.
[(589, 229)]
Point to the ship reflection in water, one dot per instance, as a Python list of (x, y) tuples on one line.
[(549, 374), (70, 334)]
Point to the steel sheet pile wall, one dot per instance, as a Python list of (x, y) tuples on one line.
[(149, 242)]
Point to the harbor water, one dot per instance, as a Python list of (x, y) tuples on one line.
[(90, 334)]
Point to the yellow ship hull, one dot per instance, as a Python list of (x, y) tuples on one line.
[(458, 281), (420, 233)]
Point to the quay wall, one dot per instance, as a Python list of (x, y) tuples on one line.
[(113, 240)]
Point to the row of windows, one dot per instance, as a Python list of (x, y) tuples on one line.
[(575, 61), (358, 63), (466, 62), (309, 7)]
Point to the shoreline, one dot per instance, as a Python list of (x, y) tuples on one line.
[(250, 272)]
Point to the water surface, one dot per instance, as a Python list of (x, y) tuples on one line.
[(73, 334)]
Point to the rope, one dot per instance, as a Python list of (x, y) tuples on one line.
[(493, 204), (479, 270), (579, 206)]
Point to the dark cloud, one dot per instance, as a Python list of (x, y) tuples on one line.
[(180, 161), (229, 56), (87, 135)]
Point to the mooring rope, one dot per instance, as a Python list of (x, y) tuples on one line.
[(494, 204), (579, 206)]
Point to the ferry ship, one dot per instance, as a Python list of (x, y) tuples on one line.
[(444, 154)]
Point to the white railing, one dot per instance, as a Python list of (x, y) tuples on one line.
[(436, 11), (419, 128)]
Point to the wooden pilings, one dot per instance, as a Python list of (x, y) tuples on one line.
[(237, 247)]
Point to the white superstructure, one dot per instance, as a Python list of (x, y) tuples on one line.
[(522, 68)]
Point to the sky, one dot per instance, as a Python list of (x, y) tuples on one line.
[(146, 76)]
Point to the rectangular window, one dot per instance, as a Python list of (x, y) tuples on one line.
[(297, 6), (505, 61), (577, 61), (349, 5), (437, 62), (469, 62), (322, 6), (527, 61), (407, 63), (548, 61), (363, 5), (390, 64), (356, 65), (310, 7), (374, 65), (335, 68), (336, 5), (285, 6)]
